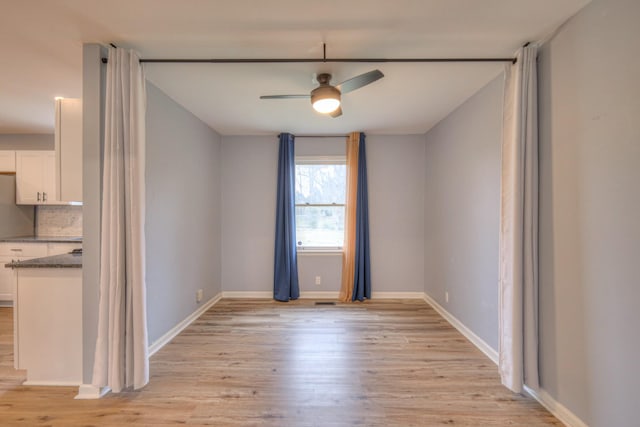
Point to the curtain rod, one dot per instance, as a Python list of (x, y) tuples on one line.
[(318, 136), (312, 60)]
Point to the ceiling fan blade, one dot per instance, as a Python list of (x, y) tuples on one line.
[(336, 113), (358, 81), (285, 96)]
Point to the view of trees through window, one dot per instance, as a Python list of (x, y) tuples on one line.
[(320, 198)]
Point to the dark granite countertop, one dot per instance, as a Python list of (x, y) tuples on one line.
[(42, 239), (55, 261)]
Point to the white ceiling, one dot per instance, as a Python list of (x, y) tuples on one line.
[(42, 46)]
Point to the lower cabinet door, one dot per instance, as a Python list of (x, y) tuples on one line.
[(49, 302), (7, 280)]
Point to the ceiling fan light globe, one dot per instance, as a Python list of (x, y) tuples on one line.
[(325, 99), (326, 105)]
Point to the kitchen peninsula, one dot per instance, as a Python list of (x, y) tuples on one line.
[(48, 318)]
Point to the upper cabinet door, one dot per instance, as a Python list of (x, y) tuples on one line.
[(35, 177), (49, 183), (29, 177), (69, 149)]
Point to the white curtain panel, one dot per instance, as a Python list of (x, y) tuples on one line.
[(518, 305), (121, 358)]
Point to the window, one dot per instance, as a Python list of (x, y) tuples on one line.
[(320, 197)]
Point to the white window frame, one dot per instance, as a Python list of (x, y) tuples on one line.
[(320, 160)]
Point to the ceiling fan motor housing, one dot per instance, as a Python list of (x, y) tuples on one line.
[(322, 92), (327, 95), (323, 78)]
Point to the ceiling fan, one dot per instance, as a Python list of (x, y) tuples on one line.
[(326, 98)]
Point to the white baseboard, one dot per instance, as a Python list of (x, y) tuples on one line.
[(269, 294), (89, 391), (397, 295), (51, 383), (558, 410), (173, 332), (374, 295), (322, 295), (476, 340), (248, 294)]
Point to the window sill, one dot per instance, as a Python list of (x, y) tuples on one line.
[(316, 252)]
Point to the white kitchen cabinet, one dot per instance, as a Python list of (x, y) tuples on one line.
[(7, 161), (20, 251), (10, 252), (68, 140), (35, 178), (7, 280), (48, 325)]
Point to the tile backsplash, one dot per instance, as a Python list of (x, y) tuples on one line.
[(58, 221)]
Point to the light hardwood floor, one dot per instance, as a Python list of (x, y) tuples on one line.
[(263, 363)]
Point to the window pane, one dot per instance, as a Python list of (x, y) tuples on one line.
[(320, 226), (321, 184)]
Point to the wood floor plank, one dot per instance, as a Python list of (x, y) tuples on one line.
[(265, 363)]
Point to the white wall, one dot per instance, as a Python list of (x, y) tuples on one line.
[(183, 214), (589, 211), (395, 214), (462, 211)]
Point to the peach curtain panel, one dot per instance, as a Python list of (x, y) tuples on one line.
[(349, 248)]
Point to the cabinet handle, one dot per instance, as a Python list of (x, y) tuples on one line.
[(16, 250), (38, 196), (44, 197)]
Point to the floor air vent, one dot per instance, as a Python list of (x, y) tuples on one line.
[(325, 303)]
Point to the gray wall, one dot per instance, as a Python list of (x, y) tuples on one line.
[(249, 170), (18, 220), (395, 181), (589, 211), (396, 212), (462, 211), (15, 220), (183, 215), (93, 86), (27, 141)]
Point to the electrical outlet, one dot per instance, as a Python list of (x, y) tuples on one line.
[(446, 296), (318, 280), (199, 295)]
